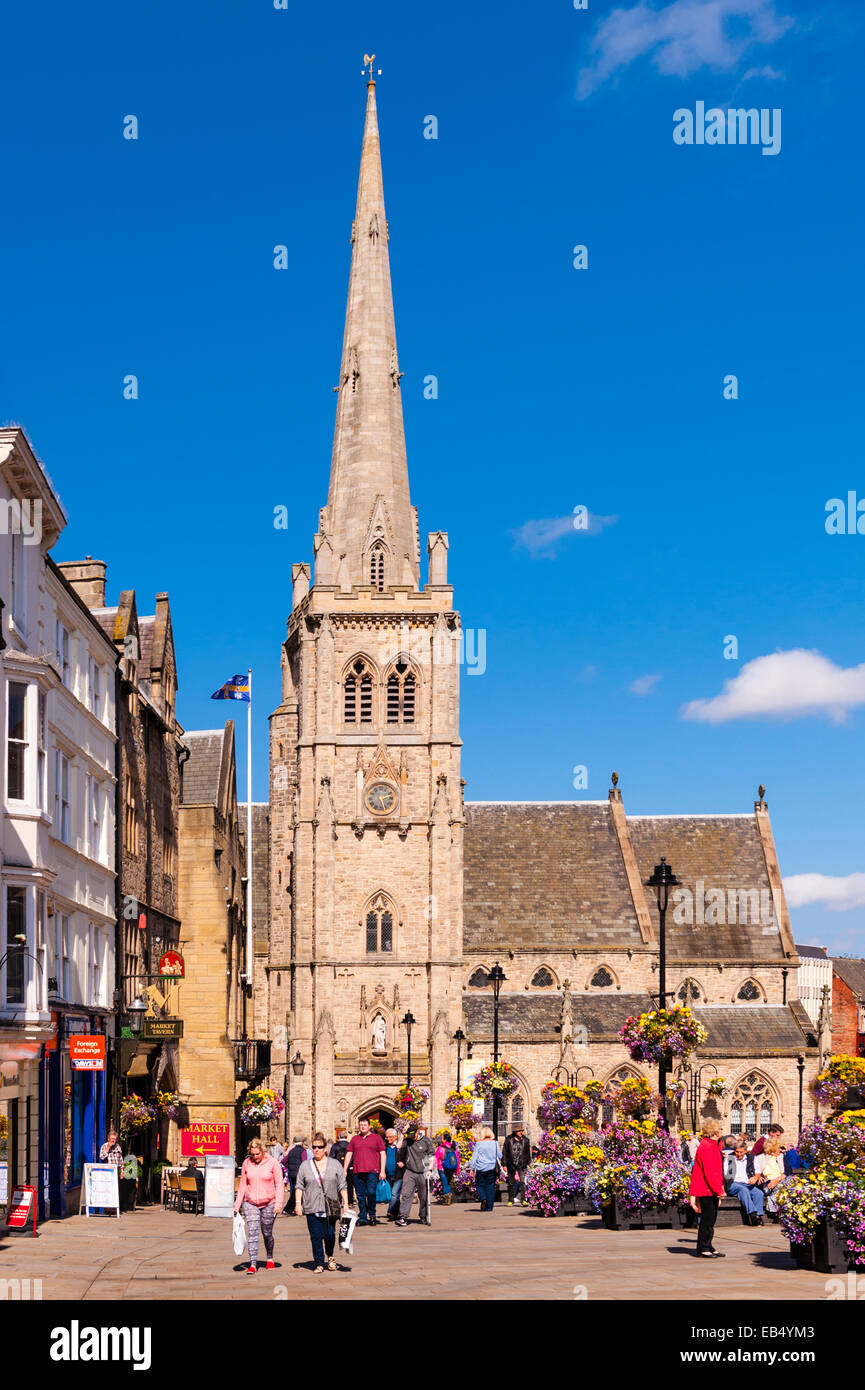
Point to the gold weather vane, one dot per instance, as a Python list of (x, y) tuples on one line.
[(369, 59)]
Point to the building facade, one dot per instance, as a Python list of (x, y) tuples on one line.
[(848, 1005)]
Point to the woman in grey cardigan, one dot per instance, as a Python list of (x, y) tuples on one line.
[(321, 1178)]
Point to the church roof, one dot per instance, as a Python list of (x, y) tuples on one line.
[(544, 874), (526, 1016)]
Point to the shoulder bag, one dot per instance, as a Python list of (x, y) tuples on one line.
[(332, 1205)]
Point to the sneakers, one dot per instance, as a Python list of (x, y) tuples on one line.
[(253, 1269), (510, 1204), (270, 1265), (400, 1221)]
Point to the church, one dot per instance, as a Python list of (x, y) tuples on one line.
[(389, 897)]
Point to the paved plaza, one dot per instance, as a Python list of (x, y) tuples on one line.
[(508, 1254)]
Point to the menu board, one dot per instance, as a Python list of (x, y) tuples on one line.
[(101, 1187)]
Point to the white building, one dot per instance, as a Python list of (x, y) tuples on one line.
[(57, 785), (815, 972)]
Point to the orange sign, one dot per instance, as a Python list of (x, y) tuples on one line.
[(205, 1139), (87, 1051)]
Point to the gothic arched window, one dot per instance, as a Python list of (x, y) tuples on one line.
[(479, 979), (602, 979), (689, 992), (751, 1107), (542, 979), (401, 690), (511, 1113), (379, 925), (608, 1112), (376, 568), (357, 695), (749, 992)]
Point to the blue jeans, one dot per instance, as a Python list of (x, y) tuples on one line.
[(322, 1235), (486, 1187), (395, 1190), (445, 1176), (365, 1185), (750, 1197)]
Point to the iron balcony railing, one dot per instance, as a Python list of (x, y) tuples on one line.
[(251, 1059)]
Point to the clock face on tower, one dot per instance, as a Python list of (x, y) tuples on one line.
[(380, 798)]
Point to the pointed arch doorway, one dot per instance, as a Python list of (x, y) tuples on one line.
[(379, 1116)]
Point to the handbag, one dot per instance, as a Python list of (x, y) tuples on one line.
[(332, 1205), (383, 1192)]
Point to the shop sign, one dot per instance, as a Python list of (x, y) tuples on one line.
[(205, 1139), (171, 965), (87, 1052), (153, 1028), (21, 1208)]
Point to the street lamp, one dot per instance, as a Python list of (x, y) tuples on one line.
[(298, 1063), (497, 978), (136, 1011), (662, 880), (459, 1038), (800, 1065), (408, 1021)]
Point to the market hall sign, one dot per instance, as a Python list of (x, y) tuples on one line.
[(153, 1028), (205, 1139)]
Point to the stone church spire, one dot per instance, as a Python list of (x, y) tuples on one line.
[(368, 530)]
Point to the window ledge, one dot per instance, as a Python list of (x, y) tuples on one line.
[(21, 810)]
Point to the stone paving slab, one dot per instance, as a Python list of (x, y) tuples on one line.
[(509, 1254)]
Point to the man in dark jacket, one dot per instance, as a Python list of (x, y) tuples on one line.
[(516, 1157), (742, 1180), (413, 1162), (291, 1167)]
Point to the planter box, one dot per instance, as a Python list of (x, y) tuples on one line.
[(576, 1206), (826, 1253), (618, 1218)]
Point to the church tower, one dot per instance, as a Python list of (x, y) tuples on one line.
[(365, 791)]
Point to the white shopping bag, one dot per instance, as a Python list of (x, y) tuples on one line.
[(238, 1234), (346, 1231)]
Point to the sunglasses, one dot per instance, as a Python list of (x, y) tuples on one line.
[(319, 1146)]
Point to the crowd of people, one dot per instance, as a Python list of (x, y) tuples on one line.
[(728, 1166), (324, 1181)]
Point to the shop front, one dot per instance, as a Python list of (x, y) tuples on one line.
[(72, 1099)]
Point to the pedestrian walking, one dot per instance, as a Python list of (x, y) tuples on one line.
[(366, 1154), (291, 1162), (448, 1164), (414, 1158), (338, 1150), (392, 1173), (260, 1196), (485, 1161), (707, 1187), (321, 1195), (516, 1157)]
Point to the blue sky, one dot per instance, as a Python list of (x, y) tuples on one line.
[(558, 387)]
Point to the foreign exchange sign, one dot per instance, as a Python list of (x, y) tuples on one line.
[(205, 1139), (87, 1052)]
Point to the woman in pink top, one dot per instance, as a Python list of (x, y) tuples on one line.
[(260, 1195)]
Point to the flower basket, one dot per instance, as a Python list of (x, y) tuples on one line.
[(634, 1096), (260, 1105), (135, 1113), (411, 1098), (497, 1079), (834, 1084), (458, 1105), (167, 1104), (717, 1087), (563, 1105), (662, 1034)]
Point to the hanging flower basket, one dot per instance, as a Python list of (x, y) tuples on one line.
[(676, 1092), (717, 1087), (497, 1079), (261, 1104), (135, 1113), (458, 1105), (633, 1096), (411, 1098), (167, 1104), (661, 1034)]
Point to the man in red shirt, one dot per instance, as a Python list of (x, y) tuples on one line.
[(775, 1132), (366, 1153)]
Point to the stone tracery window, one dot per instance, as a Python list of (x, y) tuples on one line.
[(749, 992), (689, 992), (479, 979), (542, 979), (751, 1107), (357, 695), (379, 918), (511, 1112), (602, 979)]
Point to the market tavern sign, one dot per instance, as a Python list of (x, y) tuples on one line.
[(162, 1028)]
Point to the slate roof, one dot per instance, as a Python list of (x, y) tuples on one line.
[(812, 952), (260, 868), (201, 770), (753, 1029), (544, 874), (724, 852), (529, 1015), (852, 972)]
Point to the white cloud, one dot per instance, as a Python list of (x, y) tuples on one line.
[(544, 536), (680, 38), (772, 73), (643, 685), (784, 685), (838, 894)]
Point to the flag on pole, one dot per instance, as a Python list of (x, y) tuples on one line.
[(237, 688)]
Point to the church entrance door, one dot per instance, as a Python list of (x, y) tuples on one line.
[(380, 1116)]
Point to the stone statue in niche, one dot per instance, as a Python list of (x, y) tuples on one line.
[(379, 1034)]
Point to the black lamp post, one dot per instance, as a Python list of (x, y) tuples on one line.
[(800, 1064), (408, 1021), (497, 978), (459, 1038), (136, 1011), (662, 880)]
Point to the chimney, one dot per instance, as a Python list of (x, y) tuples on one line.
[(87, 578)]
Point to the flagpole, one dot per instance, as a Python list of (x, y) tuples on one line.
[(249, 836)]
